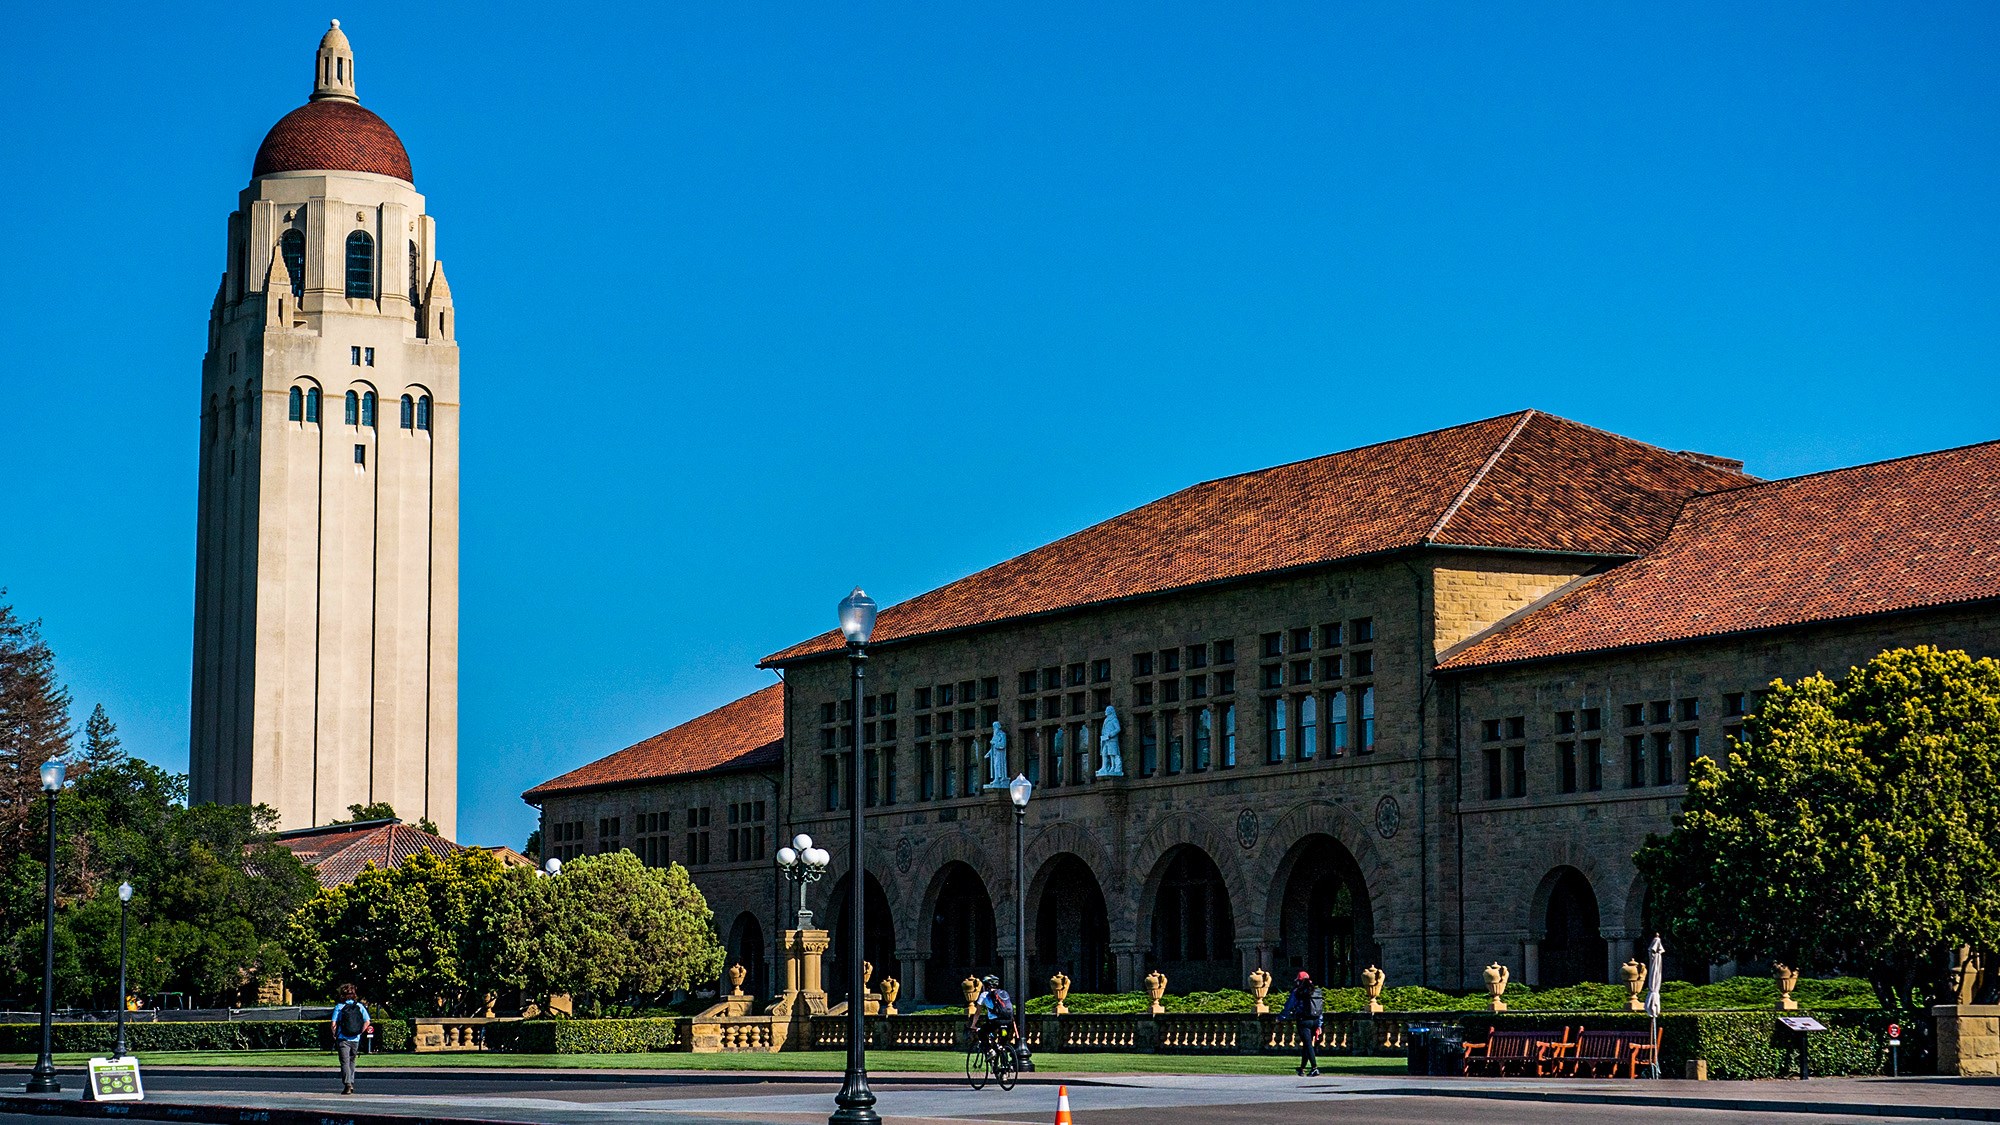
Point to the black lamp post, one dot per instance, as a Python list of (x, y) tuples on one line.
[(1019, 791), (124, 900), (803, 864), (42, 1080), (856, 1100)]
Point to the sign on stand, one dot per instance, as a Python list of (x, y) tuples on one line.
[(1804, 1025), (114, 1080)]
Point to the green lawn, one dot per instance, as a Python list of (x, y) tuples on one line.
[(828, 1062)]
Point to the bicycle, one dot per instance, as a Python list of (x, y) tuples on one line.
[(988, 1059)]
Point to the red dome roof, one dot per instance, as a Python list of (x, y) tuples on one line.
[(332, 135)]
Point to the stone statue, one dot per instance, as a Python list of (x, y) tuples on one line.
[(1260, 987), (1110, 763), (1372, 980), (996, 759), (1497, 977)]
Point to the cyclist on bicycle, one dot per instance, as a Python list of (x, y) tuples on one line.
[(993, 1020)]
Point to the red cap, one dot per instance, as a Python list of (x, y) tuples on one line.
[(1305, 976)]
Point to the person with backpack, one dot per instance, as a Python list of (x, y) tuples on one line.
[(994, 1021), (1306, 1004), (350, 1022)]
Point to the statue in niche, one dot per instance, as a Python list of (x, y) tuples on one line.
[(996, 759), (1110, 763)]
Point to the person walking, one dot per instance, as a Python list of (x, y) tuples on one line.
[(351, 1021), (1307, 1005)]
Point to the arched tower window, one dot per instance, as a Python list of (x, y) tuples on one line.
[(416, 276), (424, 412), (214, 420), (368, 408), (312, 404), (292, 247), (229, 412), (353, 409), (360, 265), (295, 405), (409, 418)]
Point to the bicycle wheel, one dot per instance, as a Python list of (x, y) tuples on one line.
[(1005, 1068), (975, 1067)]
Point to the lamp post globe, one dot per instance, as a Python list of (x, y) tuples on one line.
[(802, 843), (42, 1079), (553, 866), (856, 1102), (787, 857)]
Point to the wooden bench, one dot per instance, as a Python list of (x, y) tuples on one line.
[(1612, 1054), (1519, 1053)]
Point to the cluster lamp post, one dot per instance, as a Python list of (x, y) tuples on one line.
[(1019, 791), (124, 901), (42, 1080), (803, 864), (856, 1101)]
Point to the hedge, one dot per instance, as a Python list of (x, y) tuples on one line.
[(1675, 996), (194, 1035), (582, 1037), (1740, 1044)]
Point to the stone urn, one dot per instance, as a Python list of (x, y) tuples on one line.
[(1788, 979), (1156, 987), (1372, 979), (867, 974), (1260, 987), (971, 988), (1059, 988), (737, 973), (1635, 983), (1497, 977), (890, 988)]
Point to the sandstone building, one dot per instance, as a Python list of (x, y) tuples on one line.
[(326, 580), (1412, 704)]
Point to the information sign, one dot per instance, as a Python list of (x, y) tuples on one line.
[(1802, 1023), (115, 1080)]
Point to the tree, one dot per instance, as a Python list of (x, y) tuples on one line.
[(1855, 827), (533, 848), (34, 725), (422, 938), (379, 810), (609, 928), (101, 745)]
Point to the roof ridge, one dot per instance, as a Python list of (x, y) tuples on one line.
[(1683, 454), (1335, 453), (1466, 492), (1752, 485)]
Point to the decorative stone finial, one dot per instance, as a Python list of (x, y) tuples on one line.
[(1497, 977), (333, 67)]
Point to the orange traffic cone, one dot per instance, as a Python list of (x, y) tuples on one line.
[(1062, 1107)]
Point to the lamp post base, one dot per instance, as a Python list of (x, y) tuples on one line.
[(856, 1102), (42, 1080)]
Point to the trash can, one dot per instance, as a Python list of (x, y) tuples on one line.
[(1419, 1040), (1447, 1051)]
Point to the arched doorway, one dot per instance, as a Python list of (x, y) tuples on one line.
[(1072, 929), (961, 934), (1193, 932), (1326, 921), (1571, 948), (746, 948), (878, 945)]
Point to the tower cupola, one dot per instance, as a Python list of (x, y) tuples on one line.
[(333, 74)]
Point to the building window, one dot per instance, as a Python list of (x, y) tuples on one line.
[(830, 782), (1308, 728), (1142, 665), (1274, 730), (1635, 760), (416, 275), (1149, 746), (1566, 767), (312, 404), (1330, 636), (367, 357), (1493, 779), (969, 760), (295, 405), (1593, 763), (368, 409), (1663, 758), (1732, 703), (746, 831), (696, 851), (360, 265), (361, 456), (1100, 671), (1517, 771), (609, 838), (1171, 721), (292, 247), (353, 412), (1272, 644), (1365, 722), (1197, 656), (1204, 738), (1336, 719), (1228, 736), (1364, 630), (1690, 750), (655, 829), (407, 417), (1225, 652)]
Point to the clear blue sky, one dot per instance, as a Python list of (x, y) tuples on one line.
[(758, 301)]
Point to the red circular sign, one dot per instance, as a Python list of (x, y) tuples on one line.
[(1895, 1031)]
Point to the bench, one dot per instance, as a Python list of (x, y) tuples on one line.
[(1521, 1053), (1612, 1054)]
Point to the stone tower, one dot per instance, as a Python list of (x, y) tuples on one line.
[(326, 573)]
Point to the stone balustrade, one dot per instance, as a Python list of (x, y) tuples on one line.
[(449, 1034)]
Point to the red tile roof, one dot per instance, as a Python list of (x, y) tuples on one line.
[(332, 135), (339, 853), (1527, 480), (1908, 534), (745, 734)]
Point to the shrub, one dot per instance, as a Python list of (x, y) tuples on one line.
[(582, 1037), (195, 1035)]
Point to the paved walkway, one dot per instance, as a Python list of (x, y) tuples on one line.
[(561, 1097)]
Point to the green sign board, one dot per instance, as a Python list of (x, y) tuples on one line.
[(115, 1080)]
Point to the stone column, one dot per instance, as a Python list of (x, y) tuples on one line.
[(1125, 958), (1968, 1039), (1618, 948)]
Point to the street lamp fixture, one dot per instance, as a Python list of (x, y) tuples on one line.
[(42, 1080), (124, 900), (1020, 791), (803, 864), (856, 1101), (552, 867)]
